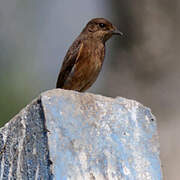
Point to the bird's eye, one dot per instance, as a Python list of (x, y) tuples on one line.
[(102, 25)]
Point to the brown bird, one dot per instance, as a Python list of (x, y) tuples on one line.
[(85, 57)]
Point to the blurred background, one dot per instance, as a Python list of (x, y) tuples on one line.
[(143, 65)]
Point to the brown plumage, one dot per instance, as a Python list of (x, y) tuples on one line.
[(85, 57)]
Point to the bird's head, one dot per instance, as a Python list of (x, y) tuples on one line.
[(100, 29)]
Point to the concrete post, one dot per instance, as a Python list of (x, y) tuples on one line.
[(80, 136)]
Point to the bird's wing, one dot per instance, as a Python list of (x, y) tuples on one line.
[(69, 61)]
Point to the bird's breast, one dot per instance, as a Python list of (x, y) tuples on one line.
[(94, 59)]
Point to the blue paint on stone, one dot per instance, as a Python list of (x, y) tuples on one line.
[(95, 136)]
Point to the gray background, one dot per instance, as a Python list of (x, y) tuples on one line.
[(143, 65)]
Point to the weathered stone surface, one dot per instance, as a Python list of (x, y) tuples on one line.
[(24, 150), (69, 135)]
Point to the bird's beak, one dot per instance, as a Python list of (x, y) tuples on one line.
[(117, 32)]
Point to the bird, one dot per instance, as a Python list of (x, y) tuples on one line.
[(84, 59)]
